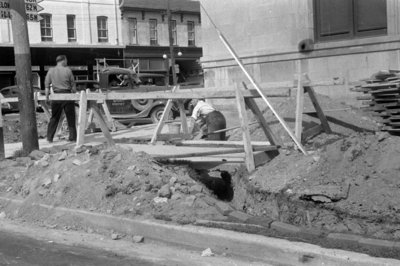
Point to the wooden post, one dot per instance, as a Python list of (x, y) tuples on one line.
[(185, 128), (23, 68), (164, 117), (299, 102), (251, 103), (103, 124), (80, 140), (2, 150), (248, 149), (320, 113)]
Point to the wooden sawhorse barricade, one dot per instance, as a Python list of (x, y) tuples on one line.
[(241, 103)]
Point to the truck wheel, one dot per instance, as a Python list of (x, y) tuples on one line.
[(142, 104), (157, 112)]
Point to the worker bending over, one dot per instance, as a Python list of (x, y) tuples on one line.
[(208, 119)]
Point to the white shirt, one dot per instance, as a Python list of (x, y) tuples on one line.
[(201, 110)]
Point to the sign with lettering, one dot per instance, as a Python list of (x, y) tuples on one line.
[(31, 7)]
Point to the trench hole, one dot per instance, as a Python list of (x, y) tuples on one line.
[(218, 181)]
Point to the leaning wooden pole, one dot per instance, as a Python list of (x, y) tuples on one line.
[(22, 53), (251, 79)]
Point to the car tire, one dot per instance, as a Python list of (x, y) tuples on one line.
[(157, 112), (142, 104)]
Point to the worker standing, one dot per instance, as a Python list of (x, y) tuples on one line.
[(62, 81), (208, 119)]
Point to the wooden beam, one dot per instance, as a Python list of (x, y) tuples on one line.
[(2, 149), (312, 132), (299, 102), (204, 153), (182, 114), (245, 130), (320, 113), (80, 140), (103, 124), (163, 118), (222, 143), (251, 103)]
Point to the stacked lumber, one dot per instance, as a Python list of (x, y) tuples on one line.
[(382, 98)]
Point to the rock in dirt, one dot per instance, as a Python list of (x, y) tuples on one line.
[(2, 215), (189, 201), (321, 199), (80, 149), (63, 156), (165, 192), (56, 177), (77, 162), (115, 236), (223, 208), (196, 189), (159, 200), (382, 136), (37, 155), (46, 183), (138, 239), (207, 253)]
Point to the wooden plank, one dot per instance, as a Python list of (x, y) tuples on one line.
[(46, 109), (261, 158), (379, 85), (160, 95), (2, 149), (312, 132), (342, 123), (209, 153), (299, 103), (252, 105), (383, 91), (163, 118), (182, 114), (223, 144), (103, 124), (80, 139), (249, 157), (320, 113)]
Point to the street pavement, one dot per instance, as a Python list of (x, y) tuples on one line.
[(26, 244), (17, 249)]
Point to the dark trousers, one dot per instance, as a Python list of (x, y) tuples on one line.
[(56, 110), (215, 121)]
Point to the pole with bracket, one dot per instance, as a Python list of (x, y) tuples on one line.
[(23, 67)]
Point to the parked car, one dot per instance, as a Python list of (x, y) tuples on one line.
[(114, 80), (10, 92)]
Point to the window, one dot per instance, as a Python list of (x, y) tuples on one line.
[(71, 30), (191, 34), (46, 30), (174, 34), (153, 32), (102, 29), (132, 22), (346, 19)]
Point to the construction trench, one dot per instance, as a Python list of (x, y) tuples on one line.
[(348, 183)]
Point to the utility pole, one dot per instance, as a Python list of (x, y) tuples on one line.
[(22, 54), (171, 44)]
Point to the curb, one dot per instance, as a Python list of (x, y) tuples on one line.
[(220, 241)]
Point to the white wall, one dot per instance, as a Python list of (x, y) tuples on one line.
[(85, 11)]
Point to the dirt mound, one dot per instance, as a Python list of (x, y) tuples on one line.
[(350, 118), (114, 181), (350, 184)]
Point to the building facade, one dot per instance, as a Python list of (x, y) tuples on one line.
[(331, 39), (82, 30), (146, 37)]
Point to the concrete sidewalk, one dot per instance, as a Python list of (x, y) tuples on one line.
[(270, 250)]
